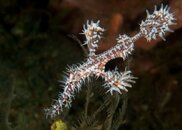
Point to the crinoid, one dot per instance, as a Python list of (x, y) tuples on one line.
[(155, 25)]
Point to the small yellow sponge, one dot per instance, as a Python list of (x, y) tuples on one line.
[(59, 125)]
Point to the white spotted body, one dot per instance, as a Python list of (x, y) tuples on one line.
[(156, 24)]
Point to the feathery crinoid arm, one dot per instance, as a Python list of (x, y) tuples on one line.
[(93, 33)]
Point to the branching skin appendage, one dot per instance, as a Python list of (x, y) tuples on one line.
[(155, 24)]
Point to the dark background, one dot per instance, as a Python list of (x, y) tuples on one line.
[(36, 45)]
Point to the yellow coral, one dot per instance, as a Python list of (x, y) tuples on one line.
[(59, 125)]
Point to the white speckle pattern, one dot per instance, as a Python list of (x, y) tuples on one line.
[(156, 24), (93, 33)]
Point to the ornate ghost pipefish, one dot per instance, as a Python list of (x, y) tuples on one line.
[(155, 24)]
